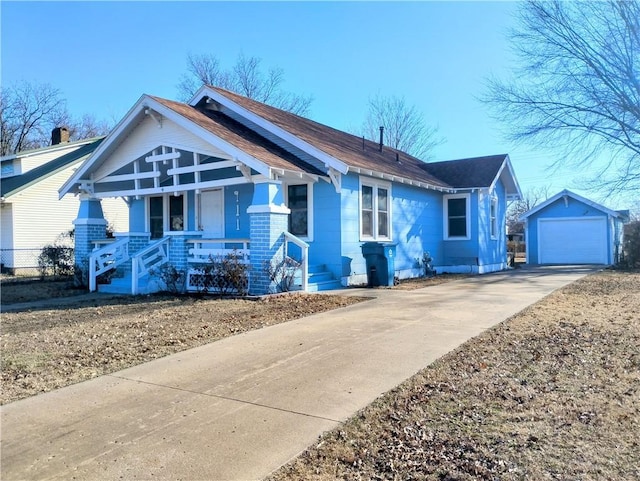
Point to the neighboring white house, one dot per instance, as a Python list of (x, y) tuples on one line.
[(31, 214)]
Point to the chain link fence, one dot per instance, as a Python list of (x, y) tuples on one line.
[(43, 262)]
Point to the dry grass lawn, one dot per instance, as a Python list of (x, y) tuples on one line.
[(552, 393)]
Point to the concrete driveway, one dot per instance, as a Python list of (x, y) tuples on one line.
[(241, 407)]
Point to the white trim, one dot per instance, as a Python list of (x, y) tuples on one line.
[(599, 218), (577, 197), (493, 221), (268, 209), (445, 209), (309, 236), (375, 184), (92, 221), (165, 212)]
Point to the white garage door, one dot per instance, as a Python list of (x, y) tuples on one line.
[(572, 241)]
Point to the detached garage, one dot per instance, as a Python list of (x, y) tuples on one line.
[(569, 229)]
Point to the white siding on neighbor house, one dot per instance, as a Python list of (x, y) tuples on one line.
[(581, 240), (6, 227), (39, 217), (148, 136), (32, 161)]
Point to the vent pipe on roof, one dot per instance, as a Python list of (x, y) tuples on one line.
[(59, 135), (381, 136), (363, 142)]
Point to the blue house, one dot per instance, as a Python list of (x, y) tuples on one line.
[(570, 229), (224, 173)]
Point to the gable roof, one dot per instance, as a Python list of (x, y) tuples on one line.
[(468, 173), (568, 193), (242, 137), (271, 141), (360, 155), (12, 185)]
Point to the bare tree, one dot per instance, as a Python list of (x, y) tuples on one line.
[(404, 126), (577, 85), (530, 199), (246, 77), (28, 113)]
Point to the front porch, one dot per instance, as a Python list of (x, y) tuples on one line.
[(193, 263)]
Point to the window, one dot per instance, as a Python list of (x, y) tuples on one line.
[(176, 212), (299, 199), (297, 196), (166, 213), (493, 218), (375, 216), (156, 219), (456, 216)]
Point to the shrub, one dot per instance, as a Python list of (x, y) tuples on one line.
[(631, 245), (57, 259), (172, 278), (282, 272), (224, 275)]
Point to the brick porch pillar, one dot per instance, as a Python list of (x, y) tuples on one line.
[(268, 221), (90, 225)]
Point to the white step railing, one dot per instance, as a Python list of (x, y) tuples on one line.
[(304, 262), (203, 250), (147, 259), (107, 258)]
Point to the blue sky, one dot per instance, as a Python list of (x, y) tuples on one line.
[(104, 55)]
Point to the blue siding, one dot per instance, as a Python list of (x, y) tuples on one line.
[(556, 210), (137, 215), (417, 225), (463, 252), (326, 228), (234, 226)]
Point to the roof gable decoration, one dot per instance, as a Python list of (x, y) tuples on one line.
[(328, 160), (565, 195), (148, 106), (506, 169)]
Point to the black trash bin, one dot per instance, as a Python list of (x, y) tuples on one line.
[(380, 260)]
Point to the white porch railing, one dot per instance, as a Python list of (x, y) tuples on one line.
[(143, 261), (106, 258), (304, 247), (203, 251)]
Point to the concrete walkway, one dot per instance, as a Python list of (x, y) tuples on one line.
[(241, 407)]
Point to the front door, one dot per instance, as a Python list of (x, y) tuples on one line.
[(212, 213)]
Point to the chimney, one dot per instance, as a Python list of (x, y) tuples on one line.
[(381, 135), (59, 135)]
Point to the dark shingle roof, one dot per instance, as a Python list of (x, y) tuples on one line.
[(467, 173), (13, 184), (341, 145), (241, 137)]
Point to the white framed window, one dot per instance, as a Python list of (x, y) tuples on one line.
[(165, 213), (299, 199), (493, 217), (457, 218), (375, 210)]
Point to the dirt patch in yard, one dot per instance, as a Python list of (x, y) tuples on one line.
[(552, 393)]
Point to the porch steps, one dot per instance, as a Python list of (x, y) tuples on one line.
[(122, 285), (320, 279)]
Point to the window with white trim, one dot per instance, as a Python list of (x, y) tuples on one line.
[(493, 217), (299, 201), (375, 210), (457, 223), (166, 213)]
